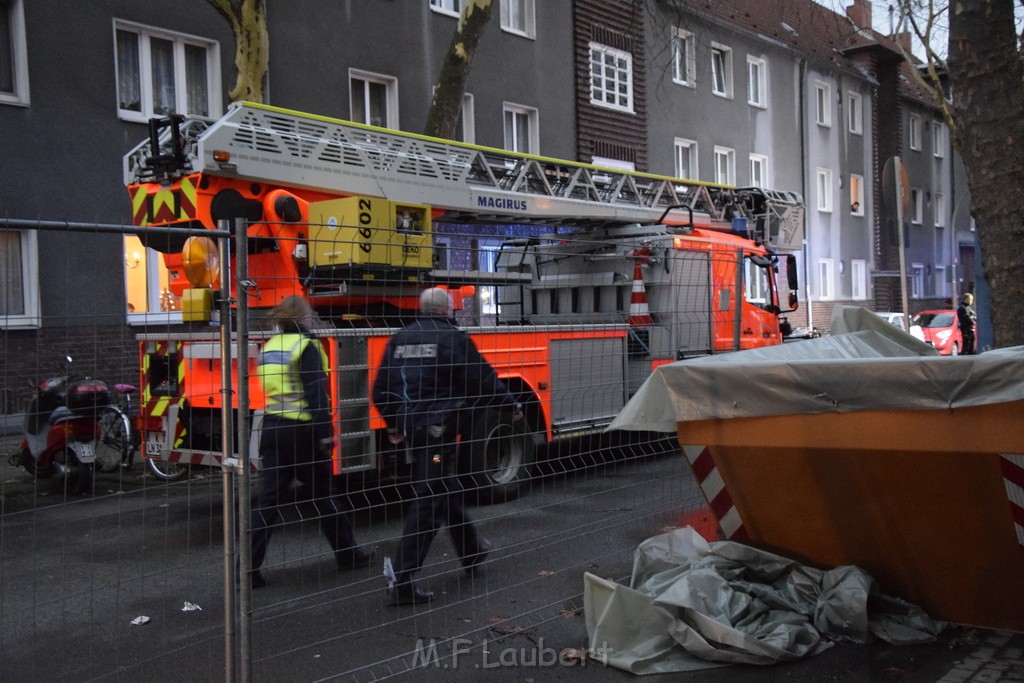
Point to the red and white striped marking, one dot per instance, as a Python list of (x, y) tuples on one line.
[(639, 313), (1013, 477), (711, 485)]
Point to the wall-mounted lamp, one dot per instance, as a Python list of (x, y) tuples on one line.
[(133, 260)]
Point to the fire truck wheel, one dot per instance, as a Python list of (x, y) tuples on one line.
[(500, 458), (165, 470)]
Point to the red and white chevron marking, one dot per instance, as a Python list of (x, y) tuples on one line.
[(711, 485), (1013, 478)]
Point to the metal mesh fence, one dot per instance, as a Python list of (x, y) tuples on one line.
[(118, 564)]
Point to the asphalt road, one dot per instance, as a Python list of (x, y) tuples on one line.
[(74, 576)]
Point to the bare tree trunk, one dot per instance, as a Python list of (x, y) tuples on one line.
[(988, 109), (248, 21), (451, 83)]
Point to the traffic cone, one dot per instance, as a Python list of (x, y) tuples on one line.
[(639, 313)]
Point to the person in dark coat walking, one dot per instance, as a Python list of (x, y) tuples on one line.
[(968, 322), (431, 376), (297, 438)]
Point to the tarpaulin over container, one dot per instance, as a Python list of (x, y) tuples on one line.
[(692, 605), (873, 366), (865, 449)]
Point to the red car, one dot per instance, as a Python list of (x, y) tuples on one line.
[(941, 330)]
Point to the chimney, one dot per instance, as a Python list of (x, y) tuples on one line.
[(904, 38), (860, 13)]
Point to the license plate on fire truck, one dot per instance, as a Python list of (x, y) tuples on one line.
[(154, 444)]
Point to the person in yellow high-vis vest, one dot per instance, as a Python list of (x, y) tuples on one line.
[(297, 438)]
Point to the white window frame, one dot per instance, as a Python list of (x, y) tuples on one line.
[(725, 70), (468, 115), (856, 106), (823, 104), (858, 279), (152, 271), (757, 75), (759, 171), (914, 132), (468, 119), (826, 279), (917, 281), (687, 148), (683, 60), (521, 12), (487, 258), (938, 139), (145, 35), (824, 190), (940, 209), (755, 284), (533, 121), (618, 164), (19, 94), (604, 85), (856, 194), (916, 206), (390, 84), (725, 165), (451, 8), (941, 282), (29, 264)]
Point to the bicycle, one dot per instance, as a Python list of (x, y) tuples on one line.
[(119, 440)]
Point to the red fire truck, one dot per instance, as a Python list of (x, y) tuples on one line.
[(600, 275)]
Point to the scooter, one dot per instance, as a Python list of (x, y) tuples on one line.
[(61, 428)]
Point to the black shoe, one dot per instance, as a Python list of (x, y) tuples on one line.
[(408, 594), (258, 580), (354, 558), (471, 562)]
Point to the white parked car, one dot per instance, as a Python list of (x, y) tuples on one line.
[(896, 318)]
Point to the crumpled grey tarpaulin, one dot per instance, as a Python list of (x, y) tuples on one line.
[(694, 605)]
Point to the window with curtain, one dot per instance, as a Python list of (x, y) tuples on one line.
[(757, 80), (725, 166), (373, 99), (518, 16), (19, 284), (162, 72), (13, 53), (521, 133), (682, 57), (147, 283), (686, 159)]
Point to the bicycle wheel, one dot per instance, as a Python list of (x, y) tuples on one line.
[(114, 445)]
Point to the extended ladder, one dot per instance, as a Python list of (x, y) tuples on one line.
[(470, 183)]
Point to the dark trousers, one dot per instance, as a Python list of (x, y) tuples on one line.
[(289, 451), (438, 501), (968, 338)]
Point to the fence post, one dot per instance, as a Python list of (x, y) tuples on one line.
[(243, 480), (227, 452)]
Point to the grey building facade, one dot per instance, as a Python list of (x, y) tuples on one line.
[(784, 94)]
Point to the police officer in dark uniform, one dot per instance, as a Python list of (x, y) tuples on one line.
[(430, 376), (967, 320), (297, 438)]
